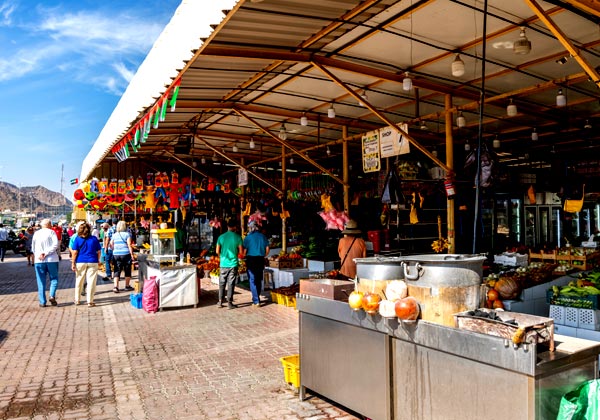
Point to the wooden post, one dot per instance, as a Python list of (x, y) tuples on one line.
[(450, 164), (345, 169), (284, 195)]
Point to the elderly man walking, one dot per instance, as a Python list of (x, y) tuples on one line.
[(44, 246)]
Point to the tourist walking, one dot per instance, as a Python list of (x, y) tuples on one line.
[(229, 247), (85, 257), (44, 246), (108, 231), (3, 241), (256, 248), (122, 251), (28, 235)]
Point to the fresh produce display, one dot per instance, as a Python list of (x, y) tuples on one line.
[(370, 302), (396, 289), (508, 287), (583, 292), (407, 309), (387, 308), (355, 300)]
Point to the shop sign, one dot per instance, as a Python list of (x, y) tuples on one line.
[(370, 151), (392, 141), (242, 177)]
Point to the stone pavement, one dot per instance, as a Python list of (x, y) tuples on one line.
[(117, 362)]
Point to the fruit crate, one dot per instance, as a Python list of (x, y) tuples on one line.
[(280, 264), (588, 319), (277, 298), (291, 369), (289, 301), (557, 313), (588, 302)]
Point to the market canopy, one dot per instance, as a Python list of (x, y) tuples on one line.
[(328, 70)]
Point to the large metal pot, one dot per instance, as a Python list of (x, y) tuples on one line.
[(443, 284)]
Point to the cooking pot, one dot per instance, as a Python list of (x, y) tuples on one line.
[(444, 284)]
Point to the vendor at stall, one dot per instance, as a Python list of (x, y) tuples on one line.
[(351, 246)]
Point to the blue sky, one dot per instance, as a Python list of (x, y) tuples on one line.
[(63, 67)]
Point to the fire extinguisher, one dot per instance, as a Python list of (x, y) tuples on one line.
[(449, 185)]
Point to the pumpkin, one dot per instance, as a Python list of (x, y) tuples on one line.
[(507, 288)]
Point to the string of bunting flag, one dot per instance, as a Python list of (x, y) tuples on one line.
[(138, 134)]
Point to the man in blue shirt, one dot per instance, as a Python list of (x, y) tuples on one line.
[(256, 247)]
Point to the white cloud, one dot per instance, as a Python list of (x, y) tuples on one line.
[(6, 10), (86, 44)]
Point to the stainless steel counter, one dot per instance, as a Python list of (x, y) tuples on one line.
[(384, 369)]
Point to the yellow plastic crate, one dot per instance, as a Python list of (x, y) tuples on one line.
[(291, 369), (277, 298), (290, 301)]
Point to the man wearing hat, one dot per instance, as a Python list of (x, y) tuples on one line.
[(351, 246)]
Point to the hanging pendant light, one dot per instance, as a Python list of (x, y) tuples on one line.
[(434, 153), (203, 160), (234, 148), (328, 151), (331, 112), (496, 143), (364, 96), (461, 121), (511, 109), (407, 84), (303, 120), (534, 134), (214, 157), (522, 45), (458, 67), (467, 147), (252, 144), (292, 160), (282, 132), (423, 126), (561, 99)]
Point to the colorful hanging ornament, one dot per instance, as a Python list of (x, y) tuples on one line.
[(121, 187), (103, 186), (174, 177), (139, 184), (158, 180), (129, 184), (94, 185), (165, 180), (112, 187), (150, 179)]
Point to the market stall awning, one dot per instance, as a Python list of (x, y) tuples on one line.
[(311, 72)]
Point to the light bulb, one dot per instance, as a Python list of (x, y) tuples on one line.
[(407, 83), (534, 135), (434, 153), (522, 45), (252, 144), (424, 126), (511, 109), (291, 161), (587, 125), (496, 143), (467, 147), (331, 112), (234, 148), (458, 67), (203, 160), (303, 120), (328, 151), (282, 132), (561, 99), (214, 157), (461, 121), (194, 164), (364, 96)]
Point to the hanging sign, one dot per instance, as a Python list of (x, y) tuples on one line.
[(242, 177), (392, 142), (370, 151)]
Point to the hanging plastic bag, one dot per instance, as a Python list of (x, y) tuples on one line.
[(582, 403), (531, 194), (575, 206)]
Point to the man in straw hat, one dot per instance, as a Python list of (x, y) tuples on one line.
[(351, 246)]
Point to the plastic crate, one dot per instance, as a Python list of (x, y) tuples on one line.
[(589, 302), (291, 369), (558, 314), (588, 319), (571, 317), (136, 300), (290, 301), (277, 298)]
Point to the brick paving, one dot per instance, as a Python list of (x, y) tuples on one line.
[(117, 362)]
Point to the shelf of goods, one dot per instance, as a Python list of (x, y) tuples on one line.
[(579, 258), (386, 369)]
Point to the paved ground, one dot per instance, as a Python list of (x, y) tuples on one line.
[(117, 362)]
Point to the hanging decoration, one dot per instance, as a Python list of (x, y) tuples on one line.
[(138, 134)]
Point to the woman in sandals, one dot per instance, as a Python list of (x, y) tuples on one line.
[(122, 247), (85, 257)]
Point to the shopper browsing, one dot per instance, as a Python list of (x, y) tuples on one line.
[(44, 246), (256, 246), (351, 246), (229, 247), (85, 257), (122, 251)]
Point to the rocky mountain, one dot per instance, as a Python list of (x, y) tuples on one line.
[(36, 199)]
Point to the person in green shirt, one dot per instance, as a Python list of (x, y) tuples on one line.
[(229, 247)]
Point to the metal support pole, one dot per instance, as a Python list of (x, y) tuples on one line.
[(450, 164), (345, 169), (284, 195)]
